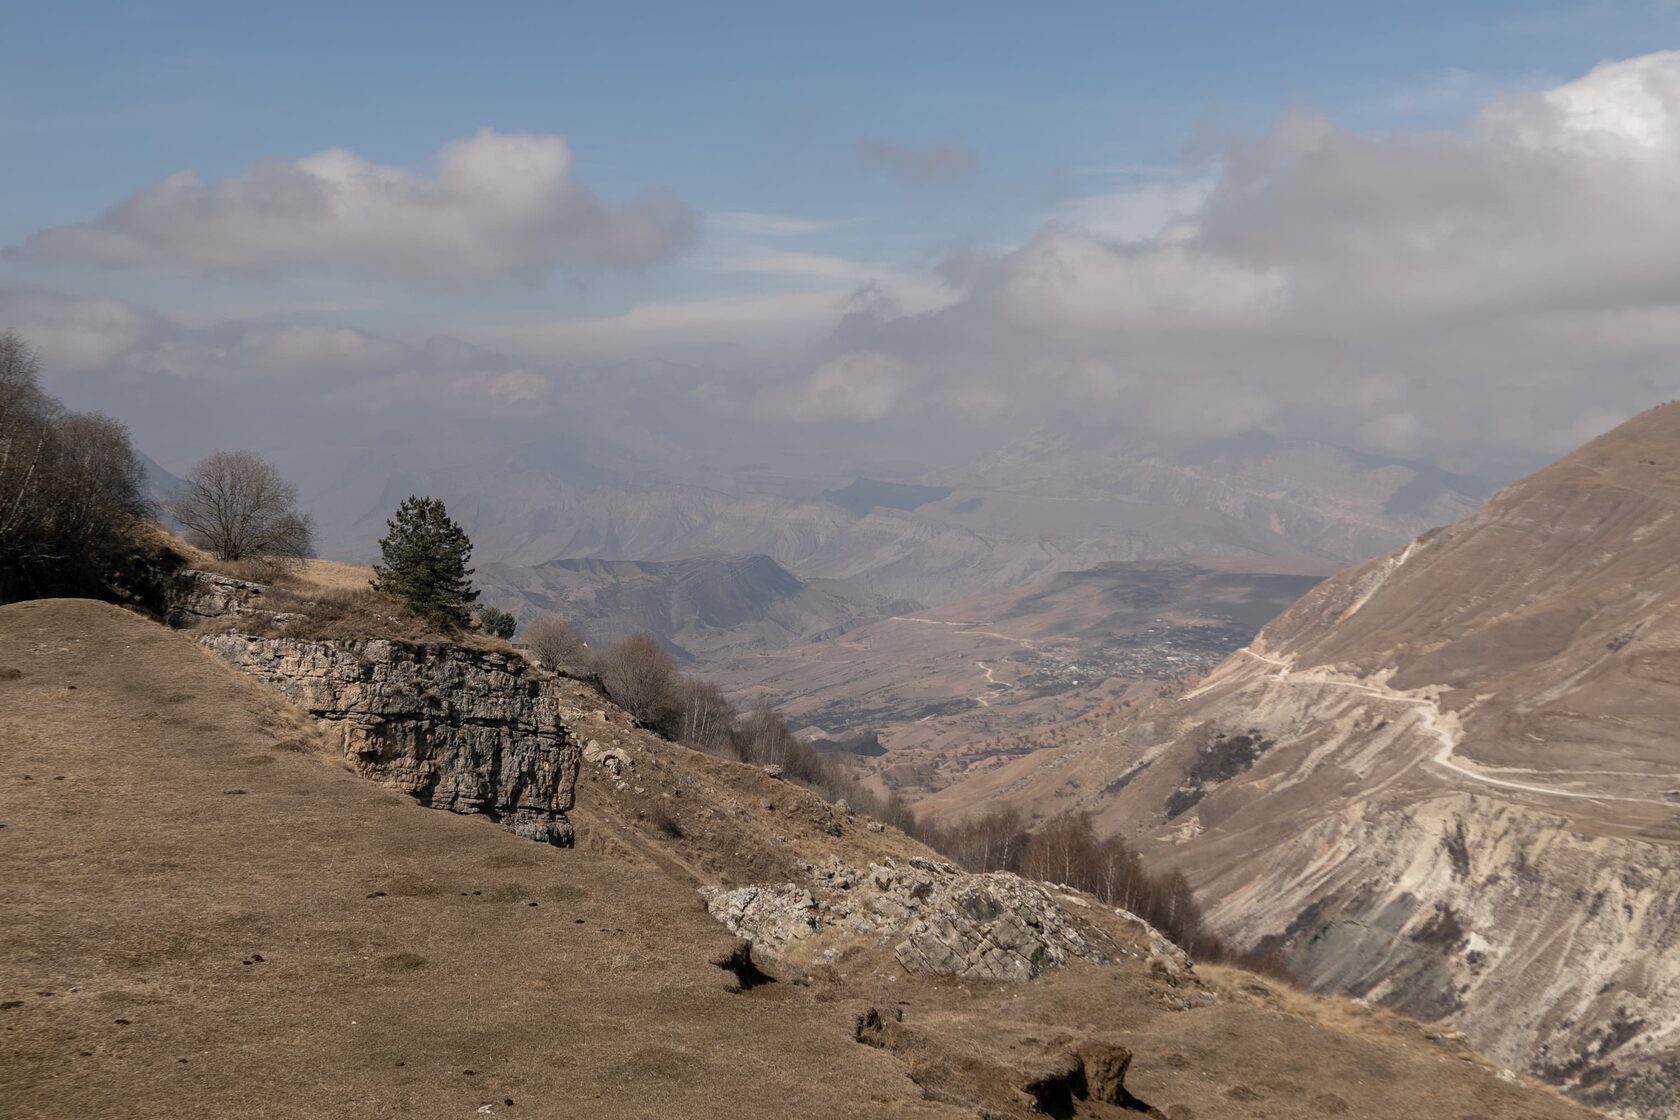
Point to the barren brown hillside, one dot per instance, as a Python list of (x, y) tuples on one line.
[(1447, 779), (206, 916)]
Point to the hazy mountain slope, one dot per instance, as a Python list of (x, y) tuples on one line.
[(959, 686), (209, 919), (1051, 501), (703, 608), (1448, 779)]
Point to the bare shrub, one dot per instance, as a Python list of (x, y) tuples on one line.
[(642, 679), (555, 644), (665, 822), (235, 505)]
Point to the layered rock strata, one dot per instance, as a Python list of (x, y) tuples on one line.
[(466, 730)]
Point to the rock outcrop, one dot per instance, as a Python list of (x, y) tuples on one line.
[(196, 595), (939, 920), (466, 730)]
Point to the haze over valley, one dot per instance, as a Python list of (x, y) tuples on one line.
[(923, 561)]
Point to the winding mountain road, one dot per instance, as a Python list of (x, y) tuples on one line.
[(1431, 719)]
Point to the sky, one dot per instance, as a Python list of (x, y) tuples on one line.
[(901, 233)]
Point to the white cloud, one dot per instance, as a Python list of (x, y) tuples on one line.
[(1136, 214), (1422, 293), (498, 205), (74, 335), (857, 386)]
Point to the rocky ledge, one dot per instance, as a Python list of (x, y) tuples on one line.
[(938, 918), (466, 730)]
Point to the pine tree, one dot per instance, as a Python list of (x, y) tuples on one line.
[(424, 562)]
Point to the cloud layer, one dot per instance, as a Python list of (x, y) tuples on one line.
[(498, 205), (1483, 297), (1508, 286)]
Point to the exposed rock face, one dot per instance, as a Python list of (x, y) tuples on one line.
[(458, 729), (1440, 780), (197, 595), (940, 920)]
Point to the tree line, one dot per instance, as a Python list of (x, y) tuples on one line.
[(641, 677), (70, 486)]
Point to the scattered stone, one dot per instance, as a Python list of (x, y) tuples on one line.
[(613, 759), (944, 921)]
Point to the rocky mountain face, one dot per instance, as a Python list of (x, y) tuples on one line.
[(1446, 781), (468, 730), (702, 609)]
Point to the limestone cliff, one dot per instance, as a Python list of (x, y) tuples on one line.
[(466, 730)]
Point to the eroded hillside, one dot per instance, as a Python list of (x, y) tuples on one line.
[(211, 917), (1446, 780)]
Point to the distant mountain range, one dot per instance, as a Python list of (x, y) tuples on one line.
[(1053, 500), (701, 608)]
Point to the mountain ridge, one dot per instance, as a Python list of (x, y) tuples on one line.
[(1441, 780)]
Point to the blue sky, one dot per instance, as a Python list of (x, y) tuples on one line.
[(846, 202), (750, 107)]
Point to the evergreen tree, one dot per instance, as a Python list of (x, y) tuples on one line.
[(424, 562), (497, 622)]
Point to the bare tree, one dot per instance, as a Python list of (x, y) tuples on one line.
[(69, 487), (555, 644), (236, 505), (642, 679), (707, 719)]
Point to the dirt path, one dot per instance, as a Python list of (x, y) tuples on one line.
[(1432, 720)]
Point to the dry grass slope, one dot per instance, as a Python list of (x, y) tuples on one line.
[(206, 917)]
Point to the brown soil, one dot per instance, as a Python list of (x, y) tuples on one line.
[(205, 915)]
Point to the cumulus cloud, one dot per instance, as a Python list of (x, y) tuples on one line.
[(1415, 293), (856, 386), (497, 205), (933, 164)]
